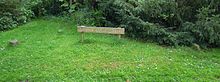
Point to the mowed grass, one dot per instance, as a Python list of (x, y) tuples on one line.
[(50, 50)]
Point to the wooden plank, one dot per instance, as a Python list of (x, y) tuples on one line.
[(106, 30)]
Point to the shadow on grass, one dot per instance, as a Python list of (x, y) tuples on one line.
[(101, 42)]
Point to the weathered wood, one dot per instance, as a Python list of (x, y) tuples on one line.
[(106, 30)]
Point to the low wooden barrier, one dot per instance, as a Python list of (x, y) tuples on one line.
[(105, 30)]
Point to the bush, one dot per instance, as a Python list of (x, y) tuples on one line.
[(169, 22), (140, 24), (46, 7), (13, 14), (164, 22), (90, 18), (206, 30)]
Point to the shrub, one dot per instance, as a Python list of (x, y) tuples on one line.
[(13, 14), (206, 30), (140, 24), (169, 22), (7, 22), (16, 12)]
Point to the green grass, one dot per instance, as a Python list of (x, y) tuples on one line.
[(44, 54)]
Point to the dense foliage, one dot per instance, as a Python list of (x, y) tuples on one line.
[(169, 22), (13, 13), (16, 12)]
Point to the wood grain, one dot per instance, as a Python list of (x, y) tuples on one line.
[(106, 30)]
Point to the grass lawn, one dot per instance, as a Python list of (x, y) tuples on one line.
[(44, 54)]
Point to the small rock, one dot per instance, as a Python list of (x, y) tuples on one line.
[(170, 51), (60, 31), (196, 46), (13, 42), (1, 49)]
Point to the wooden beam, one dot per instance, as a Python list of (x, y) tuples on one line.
[(106, 30)]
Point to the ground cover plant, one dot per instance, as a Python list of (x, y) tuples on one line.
[(49, 49)]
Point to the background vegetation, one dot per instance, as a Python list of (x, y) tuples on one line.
[(167, 22)]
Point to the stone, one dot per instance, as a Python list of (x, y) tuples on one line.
[(196, 46), (14, 42), (1, 49), (60, 31)]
